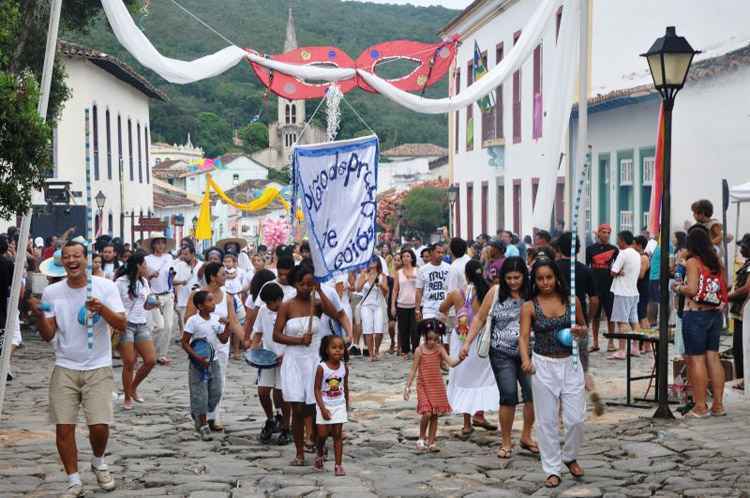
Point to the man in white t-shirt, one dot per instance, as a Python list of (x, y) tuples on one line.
[(432, 285), (161, 272), (625, 272), (457, 274), (110, 264), (82, 375), (186, 279)]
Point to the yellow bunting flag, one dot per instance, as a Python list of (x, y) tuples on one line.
[(203, 227)]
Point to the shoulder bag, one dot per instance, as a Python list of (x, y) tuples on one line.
[(485, 335)]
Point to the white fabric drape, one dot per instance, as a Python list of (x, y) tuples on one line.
[(558, 105), (172, 70), (519, 54), (183, 72)]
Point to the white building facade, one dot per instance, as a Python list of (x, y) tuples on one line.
[(495, 156), (173, 152), (117, 99)]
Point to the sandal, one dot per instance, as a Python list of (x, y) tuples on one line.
[(611, 349), (504, 453), (434, 448), (575, 469), (318, 464), (466, 434), (721, 413), (594, 349), (339, 471), (484, 424), (694, 414), (297, 462), (530, 447), (552, 481), (421, 446)]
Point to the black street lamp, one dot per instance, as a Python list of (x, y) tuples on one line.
[(669, 60), (100, 199)]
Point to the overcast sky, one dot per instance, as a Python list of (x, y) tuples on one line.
[(450, 4)]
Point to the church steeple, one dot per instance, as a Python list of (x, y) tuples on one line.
[(290, 43)]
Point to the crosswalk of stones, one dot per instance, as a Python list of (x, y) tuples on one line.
[(154, 451)]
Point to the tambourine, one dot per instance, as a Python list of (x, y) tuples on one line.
[(261, 358)]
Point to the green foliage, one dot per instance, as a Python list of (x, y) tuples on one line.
[(425, 209), (237, 96), (254, 137), (282, 176), (24, 143), (214, 134)]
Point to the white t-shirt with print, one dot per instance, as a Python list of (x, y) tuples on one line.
[(200, 328), (236, 283), (134, 308), (629, 263), (433, 280), (162, 264), (70, 341)]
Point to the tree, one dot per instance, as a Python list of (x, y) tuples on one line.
[(282, 176), (254, 137), (425, 209), (25, 157), (214, 134)]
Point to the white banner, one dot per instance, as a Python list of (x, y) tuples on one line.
[(337, 183)]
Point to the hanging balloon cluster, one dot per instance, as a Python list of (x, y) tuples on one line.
[(275, 232)]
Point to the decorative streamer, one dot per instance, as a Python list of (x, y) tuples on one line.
[(89, 235), (333, 111), (574, 238), (265, 199)]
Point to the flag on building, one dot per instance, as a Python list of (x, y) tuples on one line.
[(486, 103), (654, 221)]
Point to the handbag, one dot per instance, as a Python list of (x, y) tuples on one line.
[(485, 336)]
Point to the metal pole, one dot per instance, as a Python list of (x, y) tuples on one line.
[(662, 352), (11, 321), (577, 168)]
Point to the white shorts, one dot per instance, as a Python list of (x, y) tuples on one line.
[(269, 377), (372, 320), (625, 309)]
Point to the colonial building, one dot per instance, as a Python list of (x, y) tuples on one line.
[(117, 99), (406, 164), (172, 152), (495, 155), (290, 121)]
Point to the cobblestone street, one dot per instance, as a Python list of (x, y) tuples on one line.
[(154, 451)]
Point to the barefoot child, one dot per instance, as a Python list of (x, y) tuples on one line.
[(432, 398), (332, 399), (204, 373)]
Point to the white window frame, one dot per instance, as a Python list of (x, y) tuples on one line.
[(646, 218), (649, 167), (627, 220), (626, 172)]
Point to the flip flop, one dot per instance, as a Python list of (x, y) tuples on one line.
[(552, 481), (531, 448), (466, 434), (570, 465), (722, 413), (693, 414), (611, 350), (504, 453)]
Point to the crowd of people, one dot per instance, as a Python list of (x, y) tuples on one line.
[(432, 301)]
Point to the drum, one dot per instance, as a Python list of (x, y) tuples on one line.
[(202, 348), (261, 358)]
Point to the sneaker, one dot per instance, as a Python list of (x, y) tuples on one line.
[(277, 423), (355, 351), (205, 432), (283, 438), (73, 491), (266, 432), (103, 477)]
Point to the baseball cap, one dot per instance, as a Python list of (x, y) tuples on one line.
[(38, 242)]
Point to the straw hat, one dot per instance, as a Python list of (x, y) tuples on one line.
[(52, 267), (146, 244), (223, 243)]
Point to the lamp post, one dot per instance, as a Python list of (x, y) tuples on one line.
[(100, 200), (452, 196), (669, 60)]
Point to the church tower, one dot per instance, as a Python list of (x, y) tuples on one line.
[(291, 113)]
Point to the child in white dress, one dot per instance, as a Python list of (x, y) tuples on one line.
[(332, 399)]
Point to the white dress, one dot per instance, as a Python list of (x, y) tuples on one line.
[(471, 385), (300, 362)]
